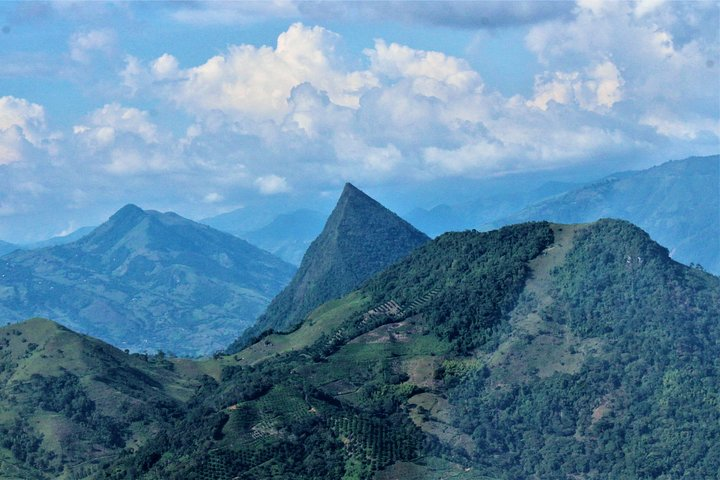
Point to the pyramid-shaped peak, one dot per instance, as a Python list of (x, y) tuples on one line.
[(360, 238), (350, 188), (353, 202)]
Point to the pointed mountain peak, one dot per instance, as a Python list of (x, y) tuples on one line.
[(350, 189), (361, 237), (359, 215), (351, 192)]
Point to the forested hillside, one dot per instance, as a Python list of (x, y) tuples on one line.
[(146, 281), (534, 351), (360, 238)]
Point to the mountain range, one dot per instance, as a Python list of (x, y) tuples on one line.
[(539, 350), (146, 281), (289, 235), (534, 351), (677, 203), (360, 238)]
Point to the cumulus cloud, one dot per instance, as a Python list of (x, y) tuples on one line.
[(84, 44), (21, 122), (256, 82), (271, 184), (598, 88), (299, 110), (106, 123), (652, 55)]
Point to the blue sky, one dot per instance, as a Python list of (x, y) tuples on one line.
[(202, 107)]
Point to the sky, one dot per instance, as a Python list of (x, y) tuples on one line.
[(203, 107)]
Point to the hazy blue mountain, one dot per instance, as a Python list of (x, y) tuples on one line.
[(485, 208), (360, 238), (146, 280), (60, 239), (289, 235), (6, 247), (677, 203)]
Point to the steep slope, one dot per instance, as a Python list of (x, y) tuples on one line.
[(289, 235), (360, 238), (70, 402), (677, 203), (145, 280), (534, 351)]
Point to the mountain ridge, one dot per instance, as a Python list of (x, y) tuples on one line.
[(360, 238), (537, 350), (677, 202), (146, 281)]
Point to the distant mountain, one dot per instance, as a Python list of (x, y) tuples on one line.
[(289, 235), (146, 280), (6, 248), (535, 351), (677, 203), (483, 209), (360, 238), (60, 239), (69, 401)]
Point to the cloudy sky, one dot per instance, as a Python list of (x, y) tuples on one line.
[(202, 107)]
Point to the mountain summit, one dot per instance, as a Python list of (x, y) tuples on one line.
[(360, 238), (145, 280)]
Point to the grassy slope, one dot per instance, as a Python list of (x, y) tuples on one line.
[(115, 382), (307, 373), (579, 375)]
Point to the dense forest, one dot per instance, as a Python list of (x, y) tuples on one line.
[(534, 351)]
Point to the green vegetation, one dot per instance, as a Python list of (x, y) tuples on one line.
[(360, 238), (477, 278), (645, 406), (677, 203), (90, 402), (146, 281), (535, 351)]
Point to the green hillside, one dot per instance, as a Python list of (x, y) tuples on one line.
[(70, 403), (146, 281), (360, 238), (677, 203), (535, 351)]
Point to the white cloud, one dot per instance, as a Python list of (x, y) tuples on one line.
[(256, 82), (300, 111), (165, 67), (20, 122), (212, 197), (686, 128), (653, 55), (271, 184), (127, 161), (83, 44), (596, 89), (106, 123)]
